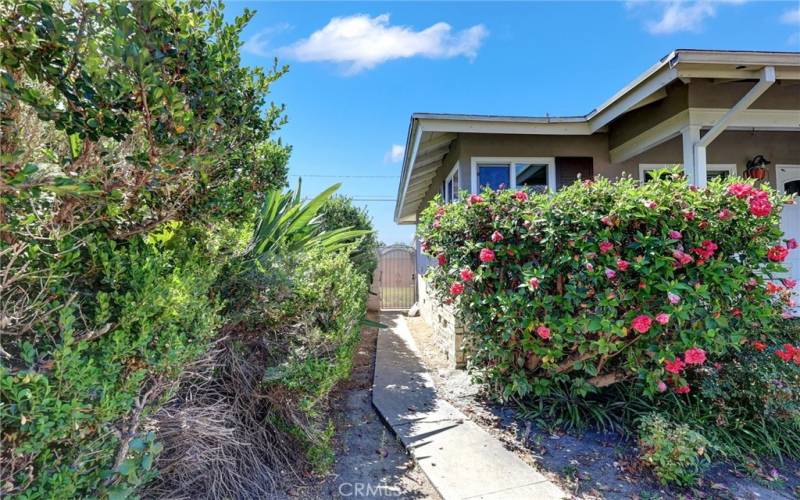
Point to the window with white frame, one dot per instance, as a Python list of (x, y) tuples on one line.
[(450, 186), (713, 171), (537, 174)]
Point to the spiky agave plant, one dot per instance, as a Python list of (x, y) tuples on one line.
[(287, 225)]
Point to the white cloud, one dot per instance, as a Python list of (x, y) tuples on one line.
[(360, 42), (258, 43), (395, 153), (674, 16), (791, 16)]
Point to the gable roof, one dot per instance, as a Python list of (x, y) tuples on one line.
[(430, 134)]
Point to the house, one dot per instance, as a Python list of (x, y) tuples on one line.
[(712, 112)]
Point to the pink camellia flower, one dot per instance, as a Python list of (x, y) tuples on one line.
[(534, 283), (694, 356), (649, 204), (589, 267), (543, 332), (474, 199), (425, 246), (456, 289), (497, 236), (725, 214), (760, 205), (787, 315), (605, 246), (437, 224), (740, 190), (673, 298), (688, 215), (610, 273), (662, 387), (607, 220), (442, 259), (675, 366), (791, 244), (789, 283), (466, 274), (623, 264), (683, 258), (684, 389), (486, 255), (777, 253), (675, 235), (642, 323), (662, 318), (521, 196)]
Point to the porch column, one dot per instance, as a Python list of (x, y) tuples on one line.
[(690, 135)]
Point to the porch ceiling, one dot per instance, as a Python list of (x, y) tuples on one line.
[(432, 149)]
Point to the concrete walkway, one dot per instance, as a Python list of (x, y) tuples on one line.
[(461, 460)]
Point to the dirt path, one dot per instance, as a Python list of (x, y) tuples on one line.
[(370, 463)]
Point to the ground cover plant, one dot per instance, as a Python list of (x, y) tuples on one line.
[(136, 154), (605, 294)]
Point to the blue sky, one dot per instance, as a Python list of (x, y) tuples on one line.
[(358, 70)]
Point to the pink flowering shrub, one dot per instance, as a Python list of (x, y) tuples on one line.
[(606, 282)]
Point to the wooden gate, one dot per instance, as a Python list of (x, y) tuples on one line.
[(396, 277)]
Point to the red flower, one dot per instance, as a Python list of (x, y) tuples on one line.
[(543, 332), (684, 389), (662, 318), (675, 366), (534, 283), (456, 289), (442, 259), (605, 246), (466, 274), (474, 199), (706, 251), (760, 205), (642, 323), (791, 244), (725, 214), (497, 236), (622, 264), (777, 253), (486, 255), (694, 356), (771, 288), (789, 283), (759, 346), (740, 190), (789, 351), (736, 312), (521, 196), (688, 215)]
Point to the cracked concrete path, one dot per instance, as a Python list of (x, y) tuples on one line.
[(461, 460)]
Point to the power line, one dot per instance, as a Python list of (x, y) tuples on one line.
[(347, 176)]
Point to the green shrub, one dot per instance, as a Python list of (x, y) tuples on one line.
[(675, 452), (339, 212), (605, 282)]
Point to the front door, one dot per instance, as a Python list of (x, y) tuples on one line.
[(788, 181)]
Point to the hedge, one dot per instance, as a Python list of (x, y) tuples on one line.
[(605, 281)]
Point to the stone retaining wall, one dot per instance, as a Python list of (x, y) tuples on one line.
[(447, 328)]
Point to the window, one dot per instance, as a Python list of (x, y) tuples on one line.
[(538, 174), (713, 171), (450, 186)]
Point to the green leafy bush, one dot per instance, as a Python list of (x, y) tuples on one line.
[(605, 282), (339, 212), (675, 452)]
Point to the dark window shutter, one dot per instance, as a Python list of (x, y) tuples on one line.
[(569, 168)]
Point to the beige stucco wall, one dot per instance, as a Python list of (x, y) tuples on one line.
[(705, 93)]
